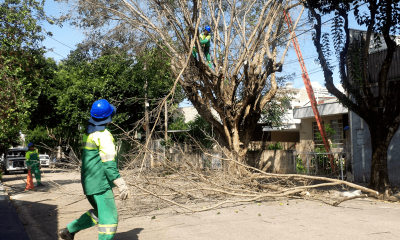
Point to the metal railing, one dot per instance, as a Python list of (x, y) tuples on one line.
[(318, 163)]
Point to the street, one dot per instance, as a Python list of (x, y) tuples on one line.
[(47, 209)]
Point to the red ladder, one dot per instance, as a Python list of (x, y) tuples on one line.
[(310, 91)]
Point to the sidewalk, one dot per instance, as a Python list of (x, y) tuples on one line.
[(10, 225)]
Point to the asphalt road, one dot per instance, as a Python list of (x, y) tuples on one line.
[(50, 208), (10, 225)]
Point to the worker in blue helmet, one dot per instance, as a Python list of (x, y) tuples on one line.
[(33, 163), (205, 42), (99, 174)]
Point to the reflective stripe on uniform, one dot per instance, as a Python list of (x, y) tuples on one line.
[(107, 157), (108, 229), (102, 141), (89, 146), (202, 37), (92, 216)]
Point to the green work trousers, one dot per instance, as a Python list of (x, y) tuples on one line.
[(104, 214), (35, 169), (206, 53)]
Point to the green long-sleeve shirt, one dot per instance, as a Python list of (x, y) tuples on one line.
[(205, 40), (32, 157), (99, 168)]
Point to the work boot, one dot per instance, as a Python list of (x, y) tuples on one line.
[(65, 234), (40, 185)]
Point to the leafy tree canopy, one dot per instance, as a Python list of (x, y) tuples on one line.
[(21, 61), (82, 79)]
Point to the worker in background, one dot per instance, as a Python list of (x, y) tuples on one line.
[(99, 174), (33, 163), (205, 43)]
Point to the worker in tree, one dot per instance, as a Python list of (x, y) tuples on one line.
[(33, 163), (205, 38), (99, 174)]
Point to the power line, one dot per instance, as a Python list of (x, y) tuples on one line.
[(56, 53), (60, 42), (296, 60), (297, 35), (290, 62)]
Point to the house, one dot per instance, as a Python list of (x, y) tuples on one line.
[(361, 150), (299, 129), (331, 112), (299, 123)]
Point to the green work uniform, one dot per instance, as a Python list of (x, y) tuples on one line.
[(205, 46), (32, 159), (98, 171)]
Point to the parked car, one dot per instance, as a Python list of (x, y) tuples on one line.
[(44, 160), (15, 160)]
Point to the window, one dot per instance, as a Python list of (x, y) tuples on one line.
[(315, 134), (337, 126), (12, 154), (337, 138)]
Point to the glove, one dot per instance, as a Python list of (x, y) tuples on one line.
[(29, 167), (124, 192)]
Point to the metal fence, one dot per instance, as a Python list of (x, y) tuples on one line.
[(318, 164)]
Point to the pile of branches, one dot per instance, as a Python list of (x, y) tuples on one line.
[(189, 187)]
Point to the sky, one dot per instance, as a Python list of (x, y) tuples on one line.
[(66, 38)]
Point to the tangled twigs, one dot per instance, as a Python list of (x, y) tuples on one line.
[(334, 181), (164, 199), (254, 198), (176, 182)]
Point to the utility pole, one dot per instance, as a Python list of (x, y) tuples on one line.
[(166, 121), (166, 127), (146, 121)]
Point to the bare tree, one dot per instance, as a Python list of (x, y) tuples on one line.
[(380, 109), (249, 46)]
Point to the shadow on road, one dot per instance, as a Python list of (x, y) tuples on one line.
[(129, 235), (39, 219)]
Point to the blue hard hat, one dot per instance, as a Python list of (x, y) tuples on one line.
[(101, 109), (31, 145), (208, 29)]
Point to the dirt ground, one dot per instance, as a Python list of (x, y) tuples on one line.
[(47, 209)]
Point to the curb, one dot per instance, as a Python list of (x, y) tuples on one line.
[(11, 226)]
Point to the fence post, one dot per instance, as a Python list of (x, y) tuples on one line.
[(294, 159), (316, 164), (341, 165)]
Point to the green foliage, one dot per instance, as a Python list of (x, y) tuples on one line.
[(322, 160), (178, 124), (39, 136), (329, 133), (276, 146), (274, 110), (300, 168), (201, 131), (80, 80), (21, 61)]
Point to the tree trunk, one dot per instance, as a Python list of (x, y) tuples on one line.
[(379, 169), (239, 146)]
